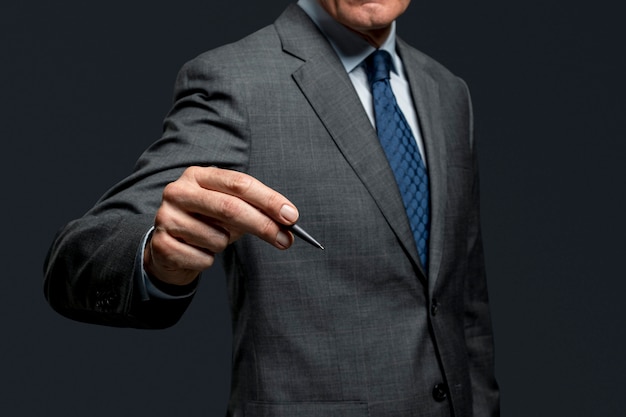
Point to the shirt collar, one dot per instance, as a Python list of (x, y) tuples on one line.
[(350, 47)]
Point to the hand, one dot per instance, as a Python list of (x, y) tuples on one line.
[(204, 211)]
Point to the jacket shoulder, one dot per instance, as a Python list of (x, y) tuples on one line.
[(416, 60)]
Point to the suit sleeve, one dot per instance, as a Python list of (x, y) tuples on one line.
[(478, 329), (90, 268)]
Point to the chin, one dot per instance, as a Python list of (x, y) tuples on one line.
[(378, 15)]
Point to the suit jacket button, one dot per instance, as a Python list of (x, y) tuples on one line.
[(434, 307), (440, 392)]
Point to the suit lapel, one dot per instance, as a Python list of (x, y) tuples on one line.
[(339, 108), (431, 119), (324, 82)]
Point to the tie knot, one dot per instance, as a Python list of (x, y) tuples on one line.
[(377, 66)]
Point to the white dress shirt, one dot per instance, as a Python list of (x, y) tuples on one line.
[(352, 51)]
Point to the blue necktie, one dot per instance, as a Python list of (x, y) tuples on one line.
[(401, 149)]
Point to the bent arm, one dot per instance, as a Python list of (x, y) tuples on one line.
[(192, 187), (90, 268)]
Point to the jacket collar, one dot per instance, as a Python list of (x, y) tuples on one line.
[(327, 87)]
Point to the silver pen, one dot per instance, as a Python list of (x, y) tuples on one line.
[(302, 234)]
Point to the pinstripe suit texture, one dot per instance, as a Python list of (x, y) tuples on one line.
[(358, 329)]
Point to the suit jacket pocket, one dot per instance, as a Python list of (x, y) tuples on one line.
[(307, 409)]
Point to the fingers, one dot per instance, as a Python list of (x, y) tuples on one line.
[(247, 189), (235, 201), (174, 261), (191, 228), (205, 210)]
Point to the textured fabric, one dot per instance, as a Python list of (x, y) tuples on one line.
[(401, 149), (357, 329)]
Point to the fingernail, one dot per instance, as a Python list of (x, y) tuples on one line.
[(289, 213), (283, 239)]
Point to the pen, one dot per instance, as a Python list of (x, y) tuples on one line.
[(302, 234)]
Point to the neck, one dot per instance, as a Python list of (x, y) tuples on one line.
[(375, 37)]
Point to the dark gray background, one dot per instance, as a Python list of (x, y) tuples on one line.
[(85, 85)]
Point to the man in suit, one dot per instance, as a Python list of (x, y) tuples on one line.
[(278, 127)]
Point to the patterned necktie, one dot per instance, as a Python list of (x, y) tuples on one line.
[(401, 149)]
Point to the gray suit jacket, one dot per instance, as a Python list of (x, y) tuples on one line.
[(358, 329)]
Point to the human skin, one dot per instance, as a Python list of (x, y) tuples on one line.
[(206, 209), (371, 19)]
